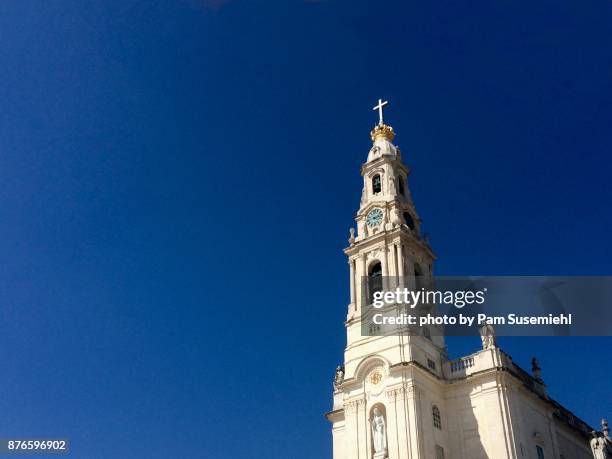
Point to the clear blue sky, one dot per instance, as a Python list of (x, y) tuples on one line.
[(177, 180)]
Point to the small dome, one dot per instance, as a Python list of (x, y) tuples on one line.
[(382, 147)]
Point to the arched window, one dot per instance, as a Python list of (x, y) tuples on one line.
[(437, 420), (375, 279), (400, 185), (376, 184), (409, 221)]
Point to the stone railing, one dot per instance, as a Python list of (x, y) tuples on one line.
[(479, 361), (462, 363)]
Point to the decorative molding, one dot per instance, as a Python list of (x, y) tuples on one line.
[(378, 170), (402, 392), (352, 406), (412, 390), (397, 393)]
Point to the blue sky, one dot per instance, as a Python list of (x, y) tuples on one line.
[(177, 180)]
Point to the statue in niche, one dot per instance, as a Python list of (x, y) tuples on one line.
[(379, 434), (487, 335)]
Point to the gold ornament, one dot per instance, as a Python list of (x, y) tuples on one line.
[(382, 131), (376, 377)]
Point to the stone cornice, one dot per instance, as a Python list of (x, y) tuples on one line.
[(335, 415), (365, 167), (390, 236)]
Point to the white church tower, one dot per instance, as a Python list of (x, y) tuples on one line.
[(398, 396)]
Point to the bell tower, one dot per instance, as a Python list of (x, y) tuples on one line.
[(380, 390), (396, 395)]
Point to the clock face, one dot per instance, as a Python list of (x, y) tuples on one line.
[(374, 217)]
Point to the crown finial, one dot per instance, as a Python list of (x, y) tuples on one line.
[(381, 130)]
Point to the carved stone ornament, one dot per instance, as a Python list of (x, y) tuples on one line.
[(397, 393), (601, 443), (352, 406), (375, 381), (376, 377), (487, 336), (339, 376)]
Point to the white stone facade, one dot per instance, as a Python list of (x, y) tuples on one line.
[(479, 406)]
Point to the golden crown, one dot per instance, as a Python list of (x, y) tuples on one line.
[(382, 131)]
